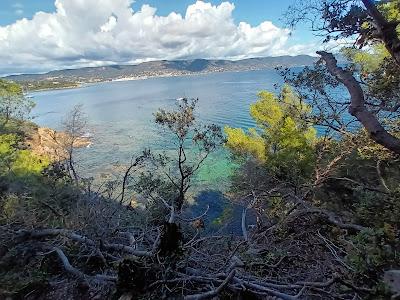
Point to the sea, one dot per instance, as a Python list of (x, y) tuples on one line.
[(121, 123)]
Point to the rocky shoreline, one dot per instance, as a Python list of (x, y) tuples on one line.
[(48, 142)]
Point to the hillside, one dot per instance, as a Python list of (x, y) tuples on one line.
[(62, 78)]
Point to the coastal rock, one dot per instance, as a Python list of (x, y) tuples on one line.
[(51, 143)]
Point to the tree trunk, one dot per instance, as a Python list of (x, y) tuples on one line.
[(386, 31), (357, 107)]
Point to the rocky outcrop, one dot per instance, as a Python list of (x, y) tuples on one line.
[(51, 143)]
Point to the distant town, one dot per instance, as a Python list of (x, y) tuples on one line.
[(71, 78)]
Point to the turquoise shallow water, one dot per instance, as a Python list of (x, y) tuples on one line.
[(121, 120)]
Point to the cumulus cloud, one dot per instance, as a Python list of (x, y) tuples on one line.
[(99, 32)]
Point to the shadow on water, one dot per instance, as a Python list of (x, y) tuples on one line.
[(223, 215)]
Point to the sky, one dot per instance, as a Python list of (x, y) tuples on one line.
[(43, 35)]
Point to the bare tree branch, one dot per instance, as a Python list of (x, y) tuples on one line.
[(74, 271), (213, 293), (67, 265), (381, 179), (82, 239), (137, 161), (329, 216), (357, 107)]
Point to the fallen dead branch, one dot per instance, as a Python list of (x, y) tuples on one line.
[(206, 269), (43, 233), (328, 216), (213, 293), (74, 271)]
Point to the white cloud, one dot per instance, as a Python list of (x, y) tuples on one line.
[(110, 25), (19, 12), (99, 32)]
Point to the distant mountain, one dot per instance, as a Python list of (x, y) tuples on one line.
[(160, 68)]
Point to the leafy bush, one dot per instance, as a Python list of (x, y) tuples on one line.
[(19, 162), (284, 140)]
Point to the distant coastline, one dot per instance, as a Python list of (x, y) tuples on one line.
[(124, 79), (75, 78), (55, 88)]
